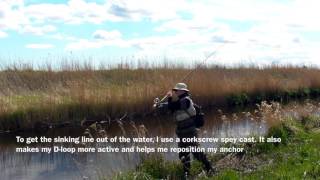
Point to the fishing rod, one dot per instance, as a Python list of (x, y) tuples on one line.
[(157, 100)]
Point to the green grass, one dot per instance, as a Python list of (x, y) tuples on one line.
[(297, 157), (297, 160)]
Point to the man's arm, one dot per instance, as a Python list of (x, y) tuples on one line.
[(173, 105), (178, 105)]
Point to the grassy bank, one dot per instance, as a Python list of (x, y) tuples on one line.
[(296, 157), (77, 93)]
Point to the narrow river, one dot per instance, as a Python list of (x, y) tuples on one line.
[(39, 166)]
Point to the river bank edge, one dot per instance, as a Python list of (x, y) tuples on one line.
[(296, 157)]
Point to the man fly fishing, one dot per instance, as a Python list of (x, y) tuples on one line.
[(188, 118), (180, 103)]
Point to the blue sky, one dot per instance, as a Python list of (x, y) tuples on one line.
[(108, 31)]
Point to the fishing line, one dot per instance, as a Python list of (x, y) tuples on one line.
[(212, 54)]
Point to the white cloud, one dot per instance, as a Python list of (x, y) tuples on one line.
[(39, 46), (74, 12), (183, 25), (277, 30), (79, 11), (152, 9), (38, 30), (113, 38), (62, 37), (11, 14), (274, 37), (101, 38), (84, 44), (106, 35), (35, 18), (261, 45), (3, 34), (302, 13)]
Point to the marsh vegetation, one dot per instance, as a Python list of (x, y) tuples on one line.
[(76, 92)]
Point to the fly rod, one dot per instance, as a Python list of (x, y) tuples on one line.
[(157, 100)]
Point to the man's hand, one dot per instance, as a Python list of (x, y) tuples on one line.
[(169, 93), (156, 103)]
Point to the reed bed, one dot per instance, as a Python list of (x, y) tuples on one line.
[(76, 92)]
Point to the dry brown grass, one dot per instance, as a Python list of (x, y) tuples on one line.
[(83, 92)]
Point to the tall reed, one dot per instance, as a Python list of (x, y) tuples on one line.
[(75, 92)]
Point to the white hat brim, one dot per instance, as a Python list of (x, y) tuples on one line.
[(182, 89)]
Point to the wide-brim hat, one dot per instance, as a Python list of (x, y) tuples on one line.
[(181, 87)]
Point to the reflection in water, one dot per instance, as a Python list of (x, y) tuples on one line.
[(94, 165)]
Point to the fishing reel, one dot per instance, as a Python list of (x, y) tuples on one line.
[(156, 102)]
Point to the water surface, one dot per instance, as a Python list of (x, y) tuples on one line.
[(39, 166)]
